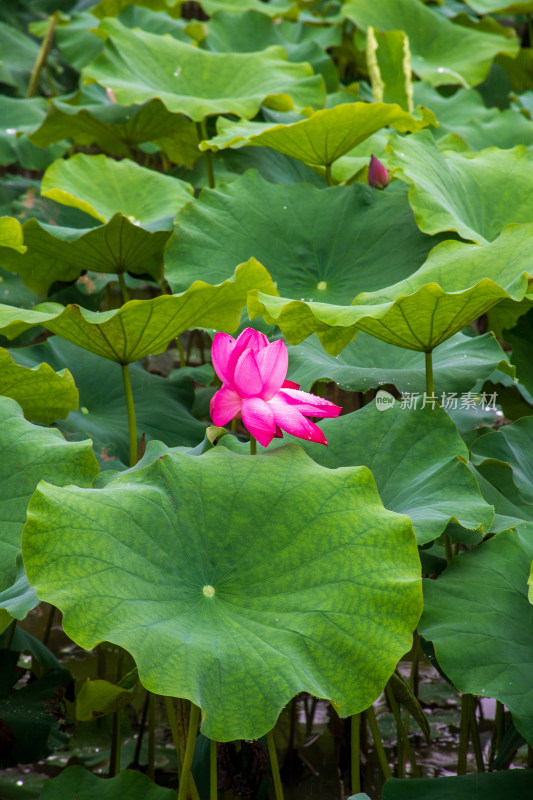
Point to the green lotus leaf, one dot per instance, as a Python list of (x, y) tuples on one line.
[(336, 242), (19, 53), (96, 698), (118, 130), (273, 572), (479, 618), (441, 51), (29, 454), (252, 31), (43, 394), (516, 783), (521, 337), (103, 187), (78, 782), (417, 459), (323, 137), (465, 114), (456, 284), (18, 598), (76, 39), (111, 8), (497, 487), (23, 115), (141, 66), (11, 235), (276, 8), (512, 445), (141, 327), (458, 364), (62, 254), (162, 405), (385, 51), (500, 6), (446, 188)]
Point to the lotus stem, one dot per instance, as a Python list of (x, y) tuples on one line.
[(181, 352), (151, 736), (189, 751), (44, 52), (213, 776), (329, 176), (114, 758), (173, 722), (356, 753), (463, 735), (140, 735), (430, 388), (253, 446), (202, 131), (402, 734), (474, 729), (130, 406), (274, 765), (123, 288), (49, 623), (378, 744)]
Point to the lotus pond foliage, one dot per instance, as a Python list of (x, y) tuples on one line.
[(266, 399)]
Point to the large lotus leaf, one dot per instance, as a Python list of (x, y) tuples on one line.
[(521, 339), (366, 363), (323, 137), (62, 254), (84, 785), (142, 327), (465, 114), (447, 188), (516, 783), (479, 618), (513, 445), (118, 130), (252, 579), (29, 454), (43, 394), (335, 243), (456, 284), (417, 459), (11, 235), (441, 52), (141, 66), (162, 406), (103, 187), (252, 31)]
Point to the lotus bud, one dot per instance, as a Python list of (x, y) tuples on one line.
[(378, 175)]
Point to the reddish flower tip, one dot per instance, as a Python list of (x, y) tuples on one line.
[(378, 175)]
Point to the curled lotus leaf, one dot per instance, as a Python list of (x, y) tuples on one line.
[(140, 66), (141, 327), (456, 284)]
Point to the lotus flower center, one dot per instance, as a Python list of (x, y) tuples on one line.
[(322, 286), (208, 591)]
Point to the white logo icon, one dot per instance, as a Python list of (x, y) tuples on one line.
[(384, 400)]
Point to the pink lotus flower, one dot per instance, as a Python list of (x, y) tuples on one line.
[(378, 175), (253, 373)]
